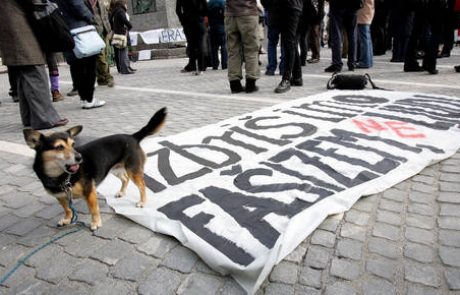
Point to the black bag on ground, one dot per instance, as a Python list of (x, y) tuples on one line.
[(49, 26), (350, 82)]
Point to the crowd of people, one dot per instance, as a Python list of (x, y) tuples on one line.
[(27, 59), (356, 30)]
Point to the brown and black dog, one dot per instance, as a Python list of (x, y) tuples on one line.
[(59, 165)]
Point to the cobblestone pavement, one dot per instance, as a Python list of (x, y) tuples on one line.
[(405, 240)]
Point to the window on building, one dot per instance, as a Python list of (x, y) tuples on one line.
[(144, 6)]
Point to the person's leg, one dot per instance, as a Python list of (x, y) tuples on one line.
[(289, 42), (336, 39), (13, 92), (123, 60), (314, 41), (350, 28), (363, 42), (214, 36), (435, 22), (223, 50), (200, 37), (410, 59), (273, 39), (102, 67), (37, 110), (303, 44), (234, 72), (248, 26)]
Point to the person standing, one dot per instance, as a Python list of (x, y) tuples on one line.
[(77, 13), (365, 16), (121, 25), (101, 16), (290, 13), (342, 15), (242, 29), (273, 36), (22, 54), (191, 15), (313, 17), (216, 10)]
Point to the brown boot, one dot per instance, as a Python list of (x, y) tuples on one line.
[(57, 96)]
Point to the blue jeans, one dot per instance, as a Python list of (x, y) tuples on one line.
[(273, 36), (365, 46)]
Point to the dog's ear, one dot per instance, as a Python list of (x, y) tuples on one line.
[(74, 131), (32, 137)]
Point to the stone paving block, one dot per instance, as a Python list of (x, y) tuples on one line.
[(284, 272), (330, 224), (6, 240), (422, 274), (304, 290), (317, 257), (157, 246), (429, 180), (382, 267), (23, 227), (49, 212), (449, 177), (391, 205), (388, 217), (29, 209), (354, 232), (366, 204), (449, 197), (449, 238), (452, 277), (180, 259), (384, 247), (112, 252), (421, 290), (82, 244), (89, 272), (200, 284), (9, 255), (113, 227), (161, 281), (422, 187), (449, 210), (30, 286), (113, 287), (276, 289), (6, 190), (357, 217), (136, 235), (56, 268), (450, 256), (394, 195), (422, 209), (419, 252), (422, 197), (132, 266), (418, 235), (23, 273), (340, 288), (345, 269), (202, 267), (310, 277), (230, 287), (375, 286), (349, 249), (8, 220), (420, 221), (449, 223), (38, 236), (297, 255), (449, 186), (386, 231), (323, 238)]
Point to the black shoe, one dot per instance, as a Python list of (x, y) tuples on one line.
[(303, 63), (444, 54), (432, 71), (127, 73), (251, 86), (351, 67), (284, 86), (296, 81), (72, 92), (413, 68), (269, 73), (131, 69), (313, 60), (236, 87), (332, 69), (457, 69), (187, 70)]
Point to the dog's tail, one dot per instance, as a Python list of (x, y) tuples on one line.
[(152, 127)]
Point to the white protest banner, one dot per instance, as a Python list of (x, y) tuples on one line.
[(245, 192), (169, 35)]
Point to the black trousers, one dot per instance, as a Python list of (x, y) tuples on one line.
[(83, 72), (289, 40), (194, 33)]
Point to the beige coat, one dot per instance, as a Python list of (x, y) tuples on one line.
[(366, 14), (18, 44)]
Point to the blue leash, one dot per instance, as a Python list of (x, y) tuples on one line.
[(74, 220)]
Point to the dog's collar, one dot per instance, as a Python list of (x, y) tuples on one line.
[(62, 183)]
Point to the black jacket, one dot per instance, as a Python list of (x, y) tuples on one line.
[(189, 11), (120, 24)]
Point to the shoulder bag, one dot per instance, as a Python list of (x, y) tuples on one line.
[(87, 41), (350, 82), (119, 41)]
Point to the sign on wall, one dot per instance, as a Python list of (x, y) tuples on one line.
[(245, 192)]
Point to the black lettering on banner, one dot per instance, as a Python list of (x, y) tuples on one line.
[(249, 211), (442, 106), (444, 115), (445, 100), (182, 150), (383, 166), (280, 142), (438, 125), (153, 185), (329, 119), (307, 129), (360, 99), (340, 106), (242, 181), (164, 167), (362, 177), (197, 224), (308, 107), (227, 137)]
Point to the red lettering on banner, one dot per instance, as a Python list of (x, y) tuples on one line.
[(401, 129)]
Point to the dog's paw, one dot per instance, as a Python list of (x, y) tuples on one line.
[(140, 204), (120, 195), (64, 222), (95, 225)]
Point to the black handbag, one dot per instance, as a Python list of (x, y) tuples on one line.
[(350, 82), (49, 26)]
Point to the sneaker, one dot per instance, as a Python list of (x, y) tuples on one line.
[(96, 103), (313, 60), (57, 96), (72, 92), (284, 86)]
